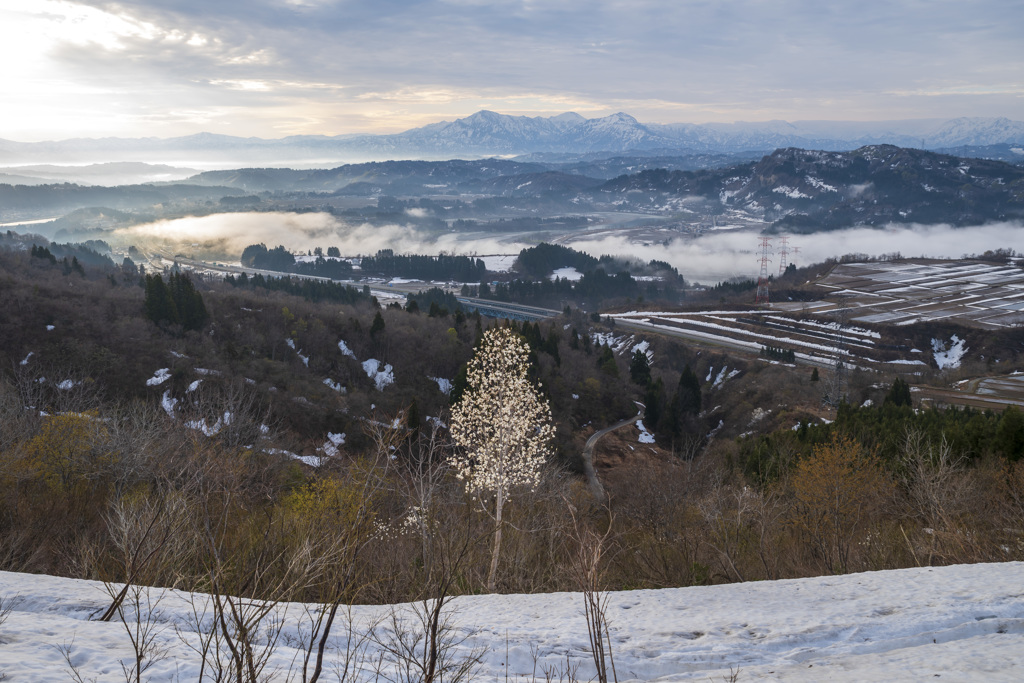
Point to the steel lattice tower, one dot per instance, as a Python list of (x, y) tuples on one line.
[(783, 252), (762, 281)]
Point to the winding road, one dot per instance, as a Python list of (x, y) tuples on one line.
[(593, 481)]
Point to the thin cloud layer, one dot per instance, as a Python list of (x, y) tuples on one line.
[(338, 66), (711, 258)]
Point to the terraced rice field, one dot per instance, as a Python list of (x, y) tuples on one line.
[(815, 342), (975, 293)]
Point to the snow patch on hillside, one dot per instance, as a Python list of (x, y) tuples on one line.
[(345, 350), (723, 375), (445, 385), (820, 184), (948, 355), (382, 375), (499, 263), (168, 403), (159, 377), (645, 436), (790, 192), (291, 345), (618, 344), (330, 447), (568, 273), (644, 347), (211, 430)]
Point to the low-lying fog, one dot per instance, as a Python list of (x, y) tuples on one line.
[(710, 258)]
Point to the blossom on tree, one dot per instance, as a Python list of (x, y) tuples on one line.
[(501, 427)]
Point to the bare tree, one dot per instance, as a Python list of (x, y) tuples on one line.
[(938, 491), (148, 534), (345, 535), (143, 622), (588, 570), (422, 644), (420, 641)]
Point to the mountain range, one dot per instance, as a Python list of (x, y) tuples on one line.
[(793, 189), (806, 191), (487, 133)]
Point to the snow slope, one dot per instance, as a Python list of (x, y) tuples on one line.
[(960, 623)]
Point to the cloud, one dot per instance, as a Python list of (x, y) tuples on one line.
[(691, 60), (727, 254), (227, 234), (708, 259)]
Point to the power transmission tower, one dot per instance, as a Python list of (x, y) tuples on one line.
[(782, 253), (762, 281), (835, 387)]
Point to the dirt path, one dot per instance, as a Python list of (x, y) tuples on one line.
[(593, 481)]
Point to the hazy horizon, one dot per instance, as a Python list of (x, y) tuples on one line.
[(811, 126)]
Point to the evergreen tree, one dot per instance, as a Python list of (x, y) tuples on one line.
[(899, 393), (654, 405), (412, 420), (640, 368), (175, 303), (158, 304), (189, 302), (685, 404), (43, 253), (606, 362), (551, 345), (378, 325), (1010, 434), (688, 397)]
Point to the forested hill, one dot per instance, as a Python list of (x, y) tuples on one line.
[(398, 177), (807, 190)]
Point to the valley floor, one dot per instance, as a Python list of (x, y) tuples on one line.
[(963, 622)]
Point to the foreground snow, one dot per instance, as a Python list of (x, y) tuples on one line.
[(954, 623)]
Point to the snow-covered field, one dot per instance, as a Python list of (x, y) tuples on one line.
[(957, 623)]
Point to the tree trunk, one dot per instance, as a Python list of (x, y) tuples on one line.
[(497, 543)]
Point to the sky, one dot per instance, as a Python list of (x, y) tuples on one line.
[(272, 68)]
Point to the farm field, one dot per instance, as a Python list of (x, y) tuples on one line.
[(975, 293)]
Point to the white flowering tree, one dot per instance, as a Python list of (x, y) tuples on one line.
[(501, 428)]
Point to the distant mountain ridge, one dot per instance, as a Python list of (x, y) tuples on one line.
[(802, 190), (488, 133), (791, 189)]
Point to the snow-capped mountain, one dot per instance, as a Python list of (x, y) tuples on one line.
[(488, 133)]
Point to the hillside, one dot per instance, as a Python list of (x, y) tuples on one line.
[(302, 421), (804, 191)]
